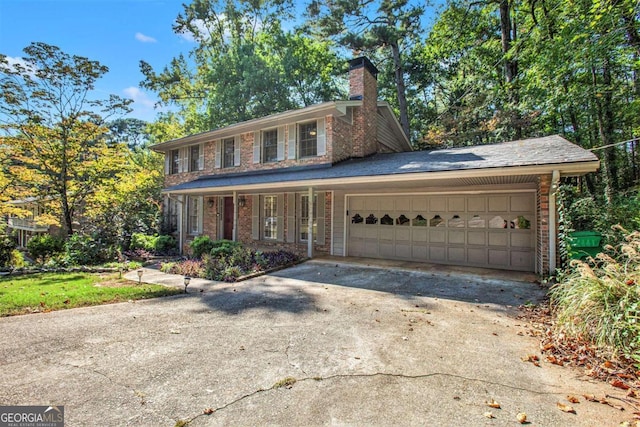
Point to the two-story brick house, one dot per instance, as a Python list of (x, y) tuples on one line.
[(344, 173)]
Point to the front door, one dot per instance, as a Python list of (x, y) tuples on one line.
[(227, 232)]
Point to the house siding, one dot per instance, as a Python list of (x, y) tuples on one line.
[(543, 209)]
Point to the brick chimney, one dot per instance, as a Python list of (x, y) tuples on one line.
[(363, 85)]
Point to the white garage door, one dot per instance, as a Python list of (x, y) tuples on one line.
[(488, 230)]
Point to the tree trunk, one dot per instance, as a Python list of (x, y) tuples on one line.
[(604, 116), (508, 30), (400, 88)]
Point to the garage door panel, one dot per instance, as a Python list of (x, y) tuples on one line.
[(419, 204), (438, 204), (477, 256), (403, 251), (522, 240), (498, 257), (522, 259), (498, 203), (437, 253), (357, 231), (456, 255), (371, 232), (437, 236), (476, 238), (386, 232), (522, 204), (456, 204), (419, 234), (419, 253), (403, 234), (387, 250), (476, 204), (456, 237), (371, 204), (498, 239)]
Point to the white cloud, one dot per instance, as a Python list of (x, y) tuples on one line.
[(139, 97), (200, 26), (144, 38), (15, 63)]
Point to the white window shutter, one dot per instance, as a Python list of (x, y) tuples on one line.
[(322, 138), (167, 162), (184, 154), (217, 146), (236, 154), (292, 142), (201, 157), (280, 143), (256, 147), (255, 217)]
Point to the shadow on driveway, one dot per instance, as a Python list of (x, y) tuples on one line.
[(410, 284)]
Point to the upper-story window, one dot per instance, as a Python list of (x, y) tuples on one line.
[(308, 141), (228, 152), (196, 158), (270, 145), (175, 161)]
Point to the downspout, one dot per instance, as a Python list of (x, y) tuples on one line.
[(553, 211), (180, 225), (310, 225)]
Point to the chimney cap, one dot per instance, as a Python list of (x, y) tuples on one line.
[(363, 61)]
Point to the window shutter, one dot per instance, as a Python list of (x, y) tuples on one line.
[(167, 162), (291, 217), (236, 154), (320, 220), (255, 217), (280, 143), (201, 157), (280, 208), (322, 138), (200, 213), (292, 142), (256, 147), (217, 146)]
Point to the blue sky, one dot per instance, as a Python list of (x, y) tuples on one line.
[(117, 33)]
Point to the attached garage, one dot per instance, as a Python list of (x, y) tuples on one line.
[(494, 230)]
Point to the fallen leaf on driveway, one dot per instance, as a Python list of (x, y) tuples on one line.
[(208, 411), (555, 360), (566, 408), (532, 358), (619, 384), (493, 404), (521, 417), (573, 399), (489, 415)]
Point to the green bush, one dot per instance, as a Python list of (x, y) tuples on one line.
[(600, 301), (17, 259), (142, 241), (83, 249), (43, 247), (201, 245), (7, 246), (165, 245), (224, 248)]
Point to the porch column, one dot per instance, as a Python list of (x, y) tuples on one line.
[(553, 209), (310, 225), (235, 216)]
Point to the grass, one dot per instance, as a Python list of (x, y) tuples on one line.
[(57, 291)]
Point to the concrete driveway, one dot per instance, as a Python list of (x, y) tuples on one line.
[(316, 344)]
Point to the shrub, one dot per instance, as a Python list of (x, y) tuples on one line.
[(600, 301), (278, 258), (165, 245), (224, 248), (45, 246), (7, 246), (190, 267), (201, 245), (142, 241), (17, 259), (83, 249)]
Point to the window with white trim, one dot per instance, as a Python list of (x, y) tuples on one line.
[(194, 215), (270, 145), (270, 217), (196, 158), (304, 218), (228, 152), (174, 156), (308, 139)]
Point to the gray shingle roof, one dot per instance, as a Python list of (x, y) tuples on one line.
[(550, 150)]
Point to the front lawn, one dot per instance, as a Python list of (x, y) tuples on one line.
[(55, 291)]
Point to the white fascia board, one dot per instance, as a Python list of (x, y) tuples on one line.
[(337, 108), (568, 169)]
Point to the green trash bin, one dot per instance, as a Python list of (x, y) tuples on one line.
[(583, 244)]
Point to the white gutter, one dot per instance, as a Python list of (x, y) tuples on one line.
[(553, 209), (567, 170)]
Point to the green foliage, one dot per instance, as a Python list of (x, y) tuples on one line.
[(83, 249), (201, 245), (190, 267), (17, 259), (165, 244), (601, 301), (7, 246), (223, 248), (45, 246), (142, 241)]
